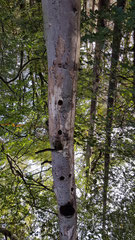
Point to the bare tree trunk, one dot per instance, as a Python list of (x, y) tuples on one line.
[(134, 70), (110, 106), (87, 5), (62, 23), (103, 5)]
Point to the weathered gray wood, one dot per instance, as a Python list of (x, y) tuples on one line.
[(61, 22)]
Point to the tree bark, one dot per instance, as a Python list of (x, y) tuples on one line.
[(133, 95), (87, 5), (62, 23), (110, 106)]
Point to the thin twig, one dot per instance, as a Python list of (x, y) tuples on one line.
[(45, 150)]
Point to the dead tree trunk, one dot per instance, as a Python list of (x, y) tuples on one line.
[(61, 20), (110, 106), (134, 70)]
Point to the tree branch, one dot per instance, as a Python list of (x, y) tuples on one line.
[(42, 77), (46, 161), (45, 150), (6, 83), (11, 132), (20, 70), (16, 170)]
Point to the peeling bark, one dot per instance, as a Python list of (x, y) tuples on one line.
[(61, 20)]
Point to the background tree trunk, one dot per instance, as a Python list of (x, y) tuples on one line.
[(110, 105), (102, 6), (86, 6), (62, 23)]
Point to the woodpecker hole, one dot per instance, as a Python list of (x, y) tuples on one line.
[(62, 178), (69, 175), (59, 65), (72, 189), (60, 102), (67, 210), (60, 132)]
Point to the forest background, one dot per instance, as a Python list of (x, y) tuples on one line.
[(104, 137)]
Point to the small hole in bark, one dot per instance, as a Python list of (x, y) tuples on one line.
[(74, 10), (67, 210), (70, 175), (59, 65), (72, 189), (60, 132), (62, 178), (60, 102)]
